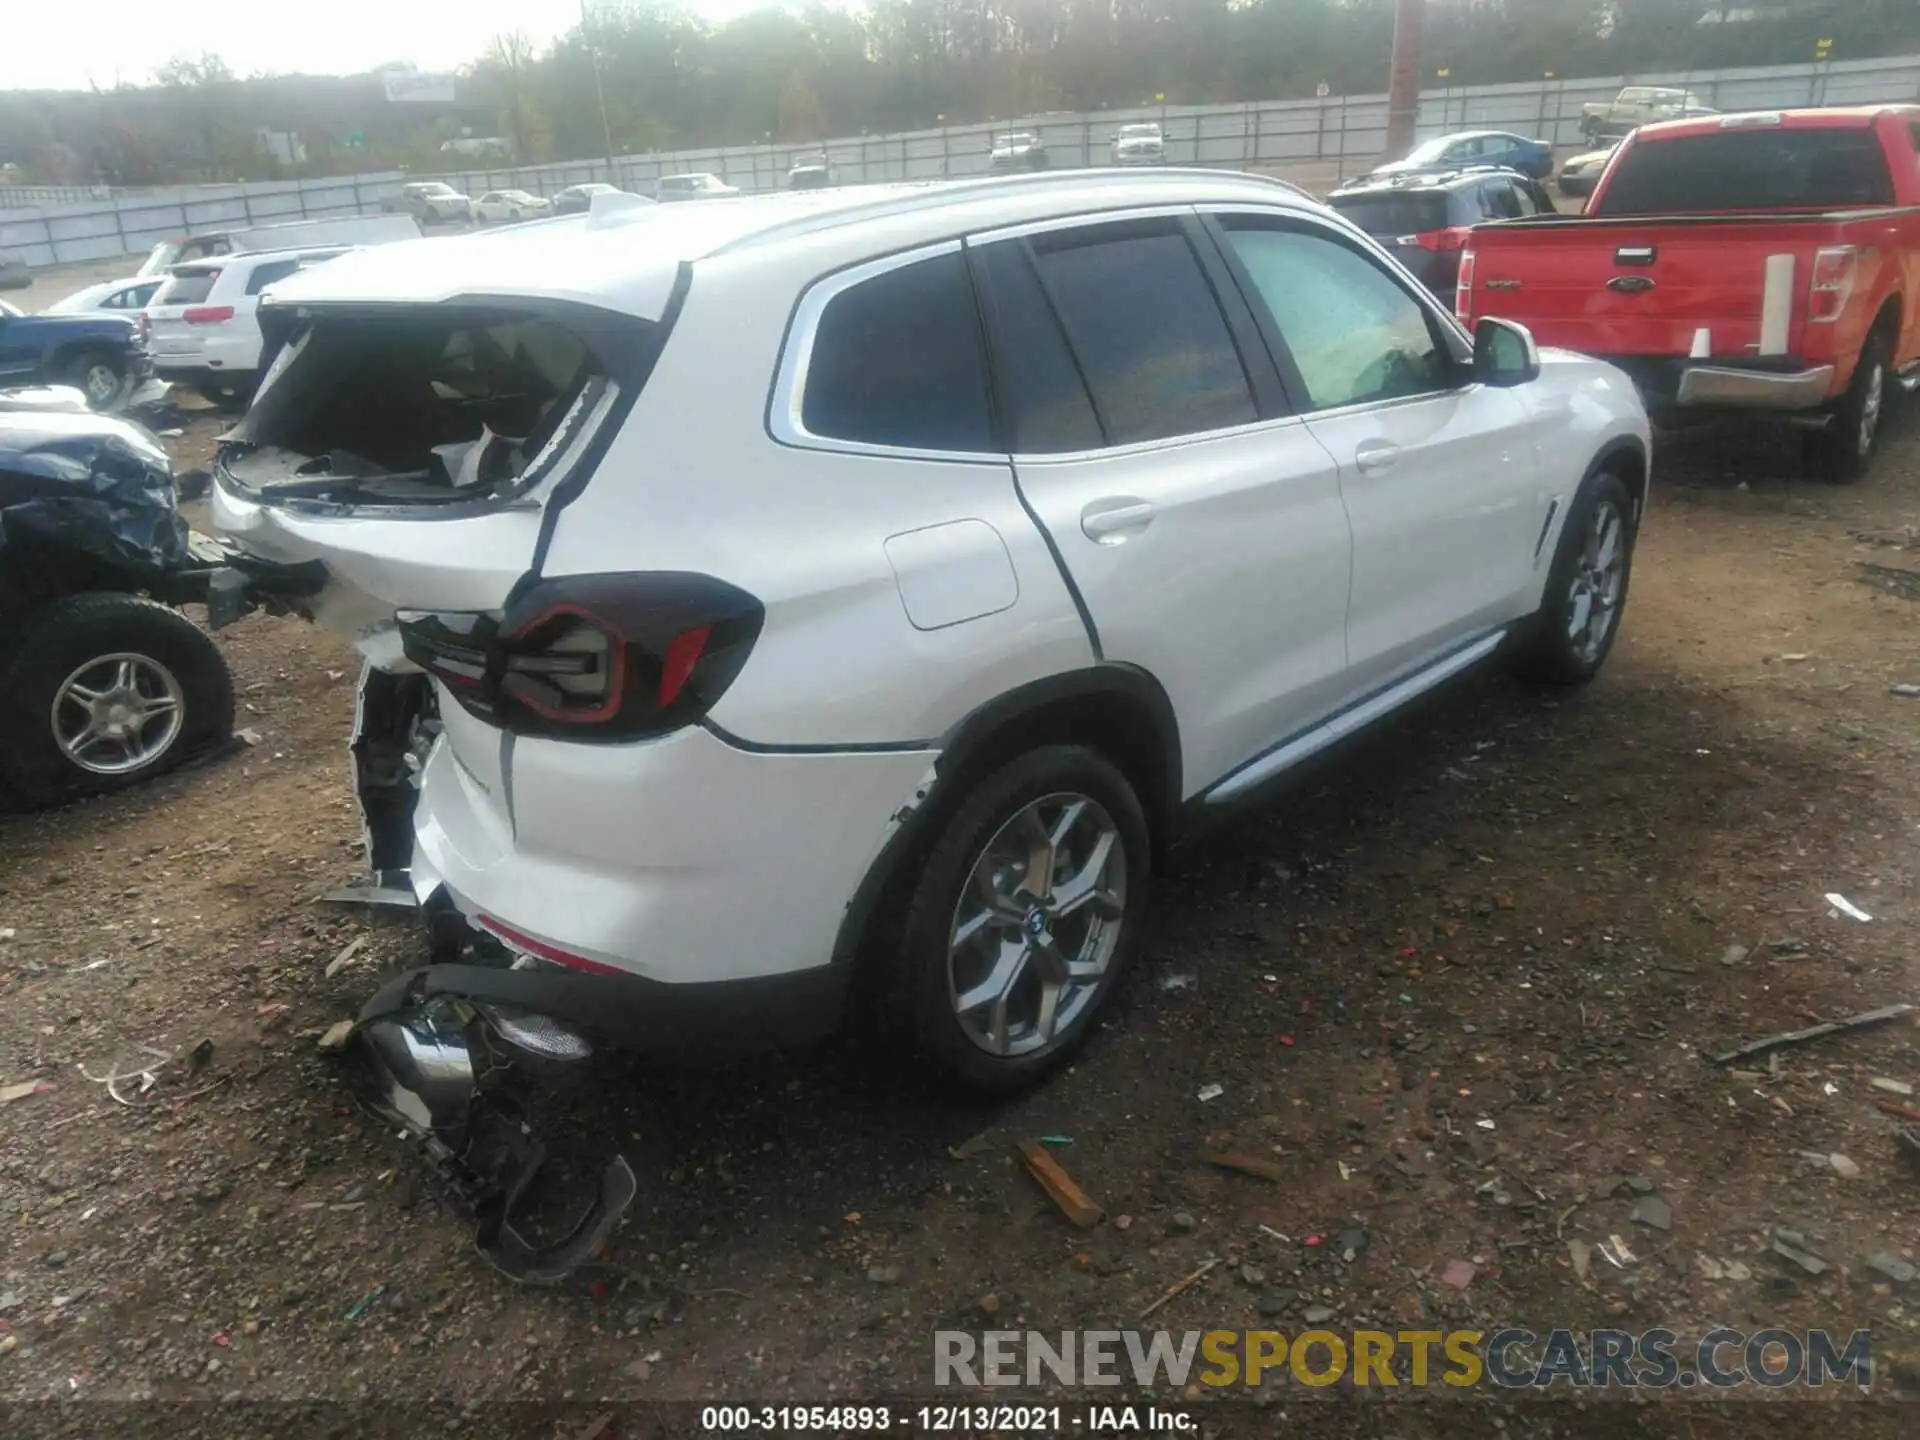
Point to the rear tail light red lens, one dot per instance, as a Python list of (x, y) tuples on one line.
[(207, 314), (1834, 268), (1463, 286), (1442, 241), (594, 657)]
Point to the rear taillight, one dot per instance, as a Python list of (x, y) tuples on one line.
[(145, 327), (207, 314), (1440, 241), (1834, 267), (1463, 286), (593, 657)]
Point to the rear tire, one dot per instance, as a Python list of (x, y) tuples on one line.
[(1579, 615), (160, 692), (1843, 453), (1058, 838)]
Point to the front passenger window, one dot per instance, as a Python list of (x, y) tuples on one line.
[(1355, 335)]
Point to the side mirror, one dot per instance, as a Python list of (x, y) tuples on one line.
[(1504, 354)]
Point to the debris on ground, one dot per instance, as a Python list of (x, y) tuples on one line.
[(1791, 1246), (11, 1093), (1211, 1092), (973, 1145), (1864, 1021), (1652, 1211), (1892, 1087), (1245, 1163), (1068, 1198), (336, 1036), (1907, 692), (338, 963), (1458, 1274), (1887, 1266), (1179, 1287), (1179, 980), (366, 1301), (1845, 1168), (1843, 906), (1581, 1254)]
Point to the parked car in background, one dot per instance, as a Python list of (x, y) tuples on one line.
[(810, 172), (1423, 221), (14, 274), (1142, 144), (282, 235), (874, 698), (1022, 150), (1638, 105), (499, 206), (697, 186), (1754, 265), (120, 296), (102, 685), (430, 202), (203, 325), (578, 199), (1579, 175), (1475, 147), (102, 355)]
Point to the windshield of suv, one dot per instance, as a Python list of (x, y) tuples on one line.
[(1764, 168)]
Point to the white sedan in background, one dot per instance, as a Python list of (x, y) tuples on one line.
[(497, 206), (123, 297)]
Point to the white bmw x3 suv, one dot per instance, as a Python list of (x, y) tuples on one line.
[(862, 591)]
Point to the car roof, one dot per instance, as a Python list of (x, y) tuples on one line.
[(1830, 117), (245, 259), (1425, 180), (629, 259)]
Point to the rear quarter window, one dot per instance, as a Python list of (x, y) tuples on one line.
[(1751, 169), (188, 288)]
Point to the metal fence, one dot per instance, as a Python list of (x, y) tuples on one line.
[(1333, 131)]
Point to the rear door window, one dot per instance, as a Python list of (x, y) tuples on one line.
[(1146, 329), (896, 361), (187, 287), (1499, 201), (1762, 168), (265, 274), (1042, 394), (1394, 214)]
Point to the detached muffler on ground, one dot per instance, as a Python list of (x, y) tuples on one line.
[(448, 1071)]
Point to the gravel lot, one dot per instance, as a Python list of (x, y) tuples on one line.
[(1460, 993)]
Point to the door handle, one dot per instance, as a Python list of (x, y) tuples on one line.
[(1109, 522), (1376, 455)]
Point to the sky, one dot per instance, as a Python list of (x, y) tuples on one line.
[(104, 42)]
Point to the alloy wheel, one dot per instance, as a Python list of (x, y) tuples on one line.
[(101, 383), (1037, 925), (1599, 574), (117, 713)]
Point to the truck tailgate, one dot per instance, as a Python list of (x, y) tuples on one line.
[(1648, 287)]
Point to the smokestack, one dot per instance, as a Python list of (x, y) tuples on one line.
[(1403, 76)]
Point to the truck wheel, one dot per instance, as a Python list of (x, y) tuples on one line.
[(1022, 918), (1844, 451), (1586, 590), (100, 376), (106, 691)]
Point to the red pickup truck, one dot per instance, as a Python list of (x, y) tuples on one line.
[(1765, 263)]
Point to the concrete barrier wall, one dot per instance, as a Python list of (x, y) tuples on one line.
[(1343, 130)]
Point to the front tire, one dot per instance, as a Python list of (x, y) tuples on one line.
[(100, 376), (106, 691), (1843, 453), (1579, 615), (1023, 918)]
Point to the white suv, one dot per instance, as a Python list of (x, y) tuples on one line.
[(201, 326), (863, 590)]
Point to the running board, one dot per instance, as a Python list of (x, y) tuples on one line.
[(1350, 721)]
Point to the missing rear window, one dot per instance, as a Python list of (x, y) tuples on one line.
[(424, 405)]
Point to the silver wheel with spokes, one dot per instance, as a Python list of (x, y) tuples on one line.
[(1599, 576), (117, 713), (1037, 925)]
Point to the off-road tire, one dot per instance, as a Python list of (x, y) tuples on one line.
[(1843, 453), (58, 639), (1546, 653), (917, 999)]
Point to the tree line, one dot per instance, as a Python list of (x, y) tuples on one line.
[(793, 76)]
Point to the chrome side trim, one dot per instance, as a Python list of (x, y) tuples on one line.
[(1352, 720), (1755, 389)]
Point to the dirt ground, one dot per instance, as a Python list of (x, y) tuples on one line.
[(1460, 994)]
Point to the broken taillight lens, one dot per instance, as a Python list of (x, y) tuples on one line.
[(593, 657), (1834, 267)]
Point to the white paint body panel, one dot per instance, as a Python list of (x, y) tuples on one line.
[(903, 592)]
